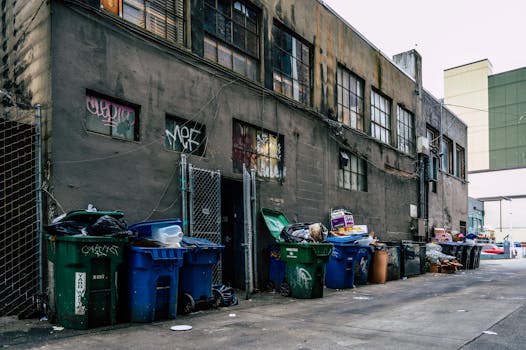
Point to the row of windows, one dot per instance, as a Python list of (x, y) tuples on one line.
[(254, 147), (452, 160), (232, 39)]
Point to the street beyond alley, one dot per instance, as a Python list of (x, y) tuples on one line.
[(475, 309)]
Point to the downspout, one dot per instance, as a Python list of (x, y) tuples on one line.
[(184, 196), (254, 235), (38, 195)]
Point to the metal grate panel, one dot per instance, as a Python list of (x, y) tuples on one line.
[(19, 244), (205, 208)]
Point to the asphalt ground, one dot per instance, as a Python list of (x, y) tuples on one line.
[(473, 309)]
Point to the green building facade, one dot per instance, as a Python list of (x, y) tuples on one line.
[(507, 119)]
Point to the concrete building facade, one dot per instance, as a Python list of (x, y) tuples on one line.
[(293, 92)]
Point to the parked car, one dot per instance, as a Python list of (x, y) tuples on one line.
[(492, 249)]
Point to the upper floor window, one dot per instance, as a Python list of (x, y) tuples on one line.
[(353, 172), (380, 117), (350, 98), (164, 18), (184, 135), (232, 36), (447, 155), (460, 169), (406, 131), (258, 149), (292, 65), (109, 117)]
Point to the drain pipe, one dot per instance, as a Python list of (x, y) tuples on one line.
[(184, 196), (38, 195), (254, 236)]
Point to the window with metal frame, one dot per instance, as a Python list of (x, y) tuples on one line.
[(460, 169), (447, 155), (350, 98), (292, 65), (111, 117), (164, 18), (406, 131), (258, 149), (380, 117), (232, 36), (352, 172)]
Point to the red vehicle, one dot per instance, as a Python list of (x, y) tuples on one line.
[(492, 249)]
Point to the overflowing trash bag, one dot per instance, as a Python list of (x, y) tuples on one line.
[(304, 233), (434, 253), (224, 294), (89, 223)]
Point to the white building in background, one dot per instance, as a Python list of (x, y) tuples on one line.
[(494, 108)]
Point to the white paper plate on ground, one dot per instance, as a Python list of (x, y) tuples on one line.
[(182, 327)]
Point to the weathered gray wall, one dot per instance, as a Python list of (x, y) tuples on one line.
[(449, 205)]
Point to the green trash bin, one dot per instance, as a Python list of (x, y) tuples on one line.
[(83, 275), (304, 262)]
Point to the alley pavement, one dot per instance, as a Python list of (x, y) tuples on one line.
[(473, 309)]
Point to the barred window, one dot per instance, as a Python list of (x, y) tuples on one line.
[(352, 173), (292, 65), (164, 18), (350, 98), (380, 117), (232, 36), (406, 131), (258, 149)]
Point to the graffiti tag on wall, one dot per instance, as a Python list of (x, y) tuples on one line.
[(184, 136)]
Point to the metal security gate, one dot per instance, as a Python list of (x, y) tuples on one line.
[(204, 208), (20, 253)]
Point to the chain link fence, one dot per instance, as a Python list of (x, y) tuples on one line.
[(19, 244), (205, 208)]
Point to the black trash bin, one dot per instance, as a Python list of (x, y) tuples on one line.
[(393, 260), (466, 256), (413, 258), (454, 249)]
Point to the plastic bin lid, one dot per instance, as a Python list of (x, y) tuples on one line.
[(90, 216), (201, 243), (346, 239), (145, 224), (275, 221)]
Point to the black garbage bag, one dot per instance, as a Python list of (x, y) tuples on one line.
[(109, 226), (68, 228), (225, 295)]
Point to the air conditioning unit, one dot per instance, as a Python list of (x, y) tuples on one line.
[(422, 145)]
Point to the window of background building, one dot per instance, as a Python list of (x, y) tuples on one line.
[(460, 169), (292, 66), (380, 117), (447, 155), (353, 172), (258, 149), (350, 98), (110, 117), (232, 36), (164, 18), (406, 131)]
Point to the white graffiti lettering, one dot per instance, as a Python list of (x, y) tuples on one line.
[(187, 137), (110, 113), (304, 277), (100, 250)]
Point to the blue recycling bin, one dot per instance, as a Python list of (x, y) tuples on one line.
[(276, 268), (339, 271), (152, 280), (196, 274), (361, 267)]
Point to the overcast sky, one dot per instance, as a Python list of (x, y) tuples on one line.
[(447, 33)]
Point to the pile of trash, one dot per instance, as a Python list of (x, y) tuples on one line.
[(440, 262), (304, 233)]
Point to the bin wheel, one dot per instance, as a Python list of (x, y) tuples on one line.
[(284, 289), (270, 286), (216, 299), (186, 304)]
